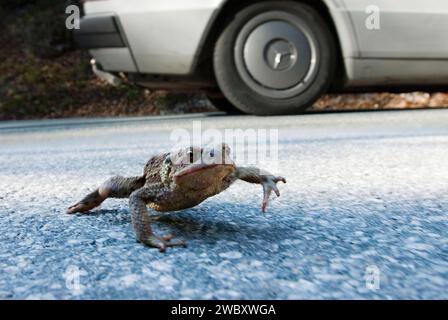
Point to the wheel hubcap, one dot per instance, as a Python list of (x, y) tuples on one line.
[(281, 54), (276, 55)]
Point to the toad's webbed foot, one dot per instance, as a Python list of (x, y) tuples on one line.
[(162, 242), (269, 184), (266, 179), (89, 202), (142, 220), (115, 187)]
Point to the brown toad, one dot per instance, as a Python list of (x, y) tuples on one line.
[(175, 181)]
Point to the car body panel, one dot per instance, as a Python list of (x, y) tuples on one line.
[(409, 47), (164, 35), (396, 72), (114, 59), (344, 29), (408, 29)]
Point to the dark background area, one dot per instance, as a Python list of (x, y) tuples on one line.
[(44, 75)]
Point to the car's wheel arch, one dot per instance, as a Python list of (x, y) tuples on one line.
[(341, 33)]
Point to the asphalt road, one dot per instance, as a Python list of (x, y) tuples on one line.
[(367, 196)]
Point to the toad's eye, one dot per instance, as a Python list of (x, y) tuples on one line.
[(190, 154), (212, 153)]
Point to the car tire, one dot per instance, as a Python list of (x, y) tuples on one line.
[(275, 58), (220, 102)]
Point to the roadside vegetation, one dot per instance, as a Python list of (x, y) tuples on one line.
[(43, 75)]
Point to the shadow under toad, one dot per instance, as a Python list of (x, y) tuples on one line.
[(237, 223)]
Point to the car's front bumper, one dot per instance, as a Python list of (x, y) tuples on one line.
[(102, 35), (164, 37), (99, 32)]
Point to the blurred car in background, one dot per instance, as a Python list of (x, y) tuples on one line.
[(268, 57)]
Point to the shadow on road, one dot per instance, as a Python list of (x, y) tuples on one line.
[(238, 223)]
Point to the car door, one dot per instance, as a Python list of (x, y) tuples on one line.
[(400, 29)]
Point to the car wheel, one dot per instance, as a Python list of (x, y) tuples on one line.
[(220, 102), (274, 58)]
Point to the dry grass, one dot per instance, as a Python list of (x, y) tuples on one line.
[(384, 100)]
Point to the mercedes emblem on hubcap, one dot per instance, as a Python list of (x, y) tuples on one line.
[(281, 54)]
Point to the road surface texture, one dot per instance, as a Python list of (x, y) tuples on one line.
[(364, 213)]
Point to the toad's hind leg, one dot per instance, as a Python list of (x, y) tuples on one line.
[(115, 187), (142, 220)]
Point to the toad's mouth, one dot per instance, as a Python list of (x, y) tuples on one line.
[(196, 168)]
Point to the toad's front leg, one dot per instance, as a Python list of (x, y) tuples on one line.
[(142, 220), (266, 179)]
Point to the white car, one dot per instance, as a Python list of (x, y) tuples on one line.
[(269, 57)]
